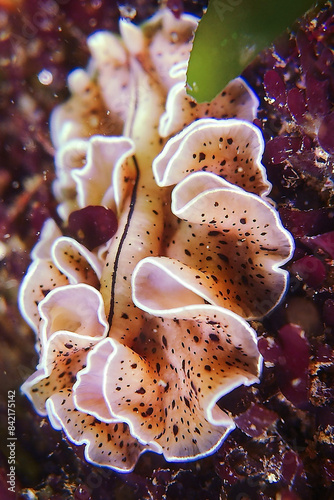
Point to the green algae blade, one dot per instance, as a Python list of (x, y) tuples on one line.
[(229, 36)]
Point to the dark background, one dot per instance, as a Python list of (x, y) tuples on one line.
[(291, 451)]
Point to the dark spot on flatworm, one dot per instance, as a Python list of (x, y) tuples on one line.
[(141, 391), (243, 221), (207, 368), (142, 337), (202, 157), (222, 257), (175, 430), (125, 316)]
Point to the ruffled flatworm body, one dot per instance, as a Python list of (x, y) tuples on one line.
[(169, 244)]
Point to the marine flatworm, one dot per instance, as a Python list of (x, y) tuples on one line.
[(140, 335)]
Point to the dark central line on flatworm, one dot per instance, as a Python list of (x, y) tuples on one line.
[(124, 235)]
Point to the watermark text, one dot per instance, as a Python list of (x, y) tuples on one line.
[(11, 441)]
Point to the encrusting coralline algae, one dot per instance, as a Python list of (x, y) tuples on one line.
[(141, 335)]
